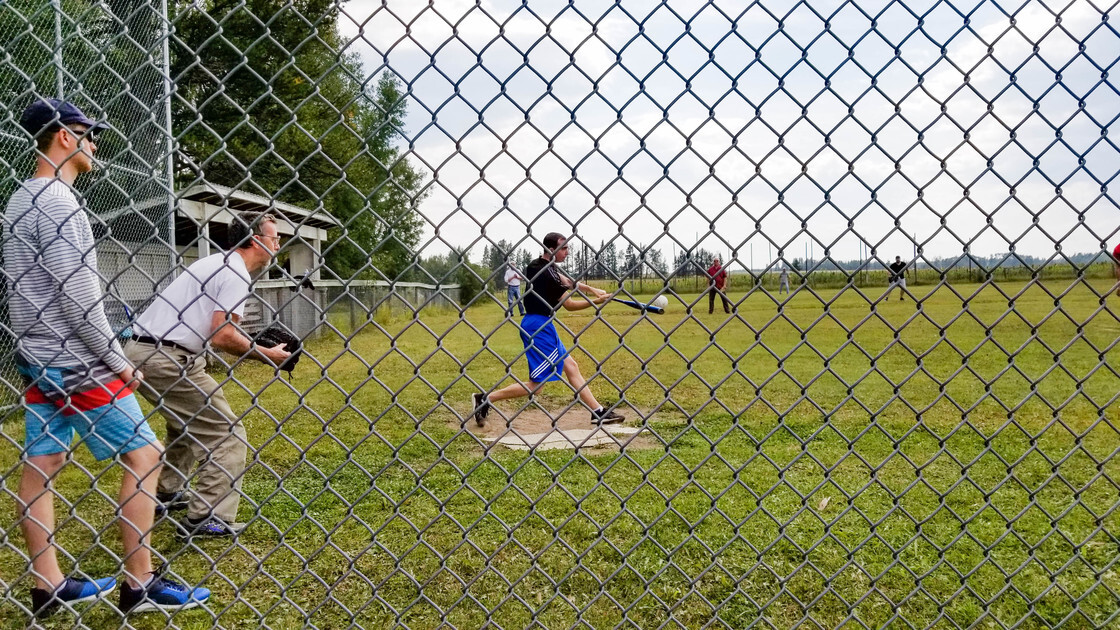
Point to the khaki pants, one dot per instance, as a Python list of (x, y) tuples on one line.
[(201, 429)]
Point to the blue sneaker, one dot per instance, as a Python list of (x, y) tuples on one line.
[(161, 594), (71, 591), (211, 527)]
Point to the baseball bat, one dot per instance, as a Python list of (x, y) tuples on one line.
[(640, 306)]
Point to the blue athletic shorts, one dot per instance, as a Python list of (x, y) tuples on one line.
[(115, 425), (543, 348)]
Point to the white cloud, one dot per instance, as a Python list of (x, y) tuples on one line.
[(682, 168)]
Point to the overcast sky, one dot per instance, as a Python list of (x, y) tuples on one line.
[(735, 123)]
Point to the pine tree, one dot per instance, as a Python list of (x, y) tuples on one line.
[(657, 265), (608, 259), (631, 263)]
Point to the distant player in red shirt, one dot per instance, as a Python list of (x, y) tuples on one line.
[(1116, 266), (718, 276)]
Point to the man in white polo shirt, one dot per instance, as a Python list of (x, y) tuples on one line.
[(204, 305)]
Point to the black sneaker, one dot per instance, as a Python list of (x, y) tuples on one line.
[(212, 527), (608, 416), (481, 408), (167, 502), (71, 591), (161, 594)]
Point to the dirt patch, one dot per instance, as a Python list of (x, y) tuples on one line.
[(534, 425)]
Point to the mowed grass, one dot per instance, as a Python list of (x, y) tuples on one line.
[(833, 462)]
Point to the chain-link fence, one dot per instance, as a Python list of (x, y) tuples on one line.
[(108, 56), (812, 438)]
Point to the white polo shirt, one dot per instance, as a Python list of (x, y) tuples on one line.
[(512, 277), (183, 312)]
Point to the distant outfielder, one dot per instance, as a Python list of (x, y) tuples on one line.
[(547, 290), (783, 281), (898, 278)]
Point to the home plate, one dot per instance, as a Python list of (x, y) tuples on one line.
[(609, 435)]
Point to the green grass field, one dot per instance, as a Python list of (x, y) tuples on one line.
[(948, 465)]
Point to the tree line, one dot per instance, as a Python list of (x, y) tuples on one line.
[(638, 261), (264, 101), (608, 261)]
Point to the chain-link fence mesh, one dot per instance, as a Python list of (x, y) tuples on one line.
[(110, 59), (838, 444)]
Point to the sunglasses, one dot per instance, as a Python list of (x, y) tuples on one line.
[(93, 135)]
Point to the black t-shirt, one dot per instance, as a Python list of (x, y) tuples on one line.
[(896, 269), (544, 290)]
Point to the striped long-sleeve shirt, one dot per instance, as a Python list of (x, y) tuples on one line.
[(54, 290)]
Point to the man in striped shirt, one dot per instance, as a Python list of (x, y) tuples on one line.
[(78, 380)]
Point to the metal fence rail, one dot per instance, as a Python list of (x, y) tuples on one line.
[(847, 446)]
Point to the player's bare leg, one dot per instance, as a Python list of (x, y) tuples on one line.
[(516, 390), (599, 415)]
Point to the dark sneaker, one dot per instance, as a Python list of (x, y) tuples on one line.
[(481, 409), (71, 591), (161, 594), (167, 502), (608, 416), (212, 527)]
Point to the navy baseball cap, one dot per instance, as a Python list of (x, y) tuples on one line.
[(46, 112)]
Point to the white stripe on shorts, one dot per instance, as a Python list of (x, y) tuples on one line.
[(550, 362)]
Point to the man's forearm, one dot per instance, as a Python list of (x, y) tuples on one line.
[(586, 288), (229, 339), (236, 343), (576, 304)]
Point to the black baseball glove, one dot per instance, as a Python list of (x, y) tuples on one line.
[(277, 334)]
